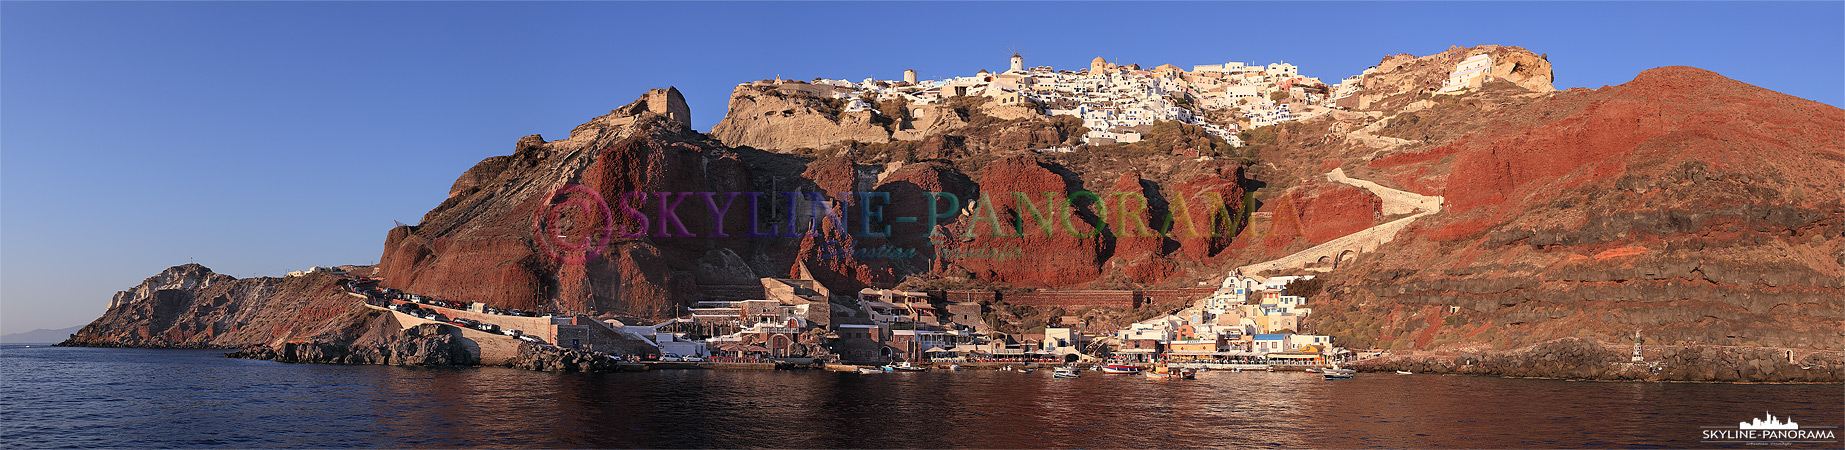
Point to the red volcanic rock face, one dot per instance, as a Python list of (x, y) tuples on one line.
[(483, 244), (1208, 211), (1694, 208), (987, 243), (1590, 141), (828, 251), (1336, 210), (1311, 215), (912, 188), (1140, 240)]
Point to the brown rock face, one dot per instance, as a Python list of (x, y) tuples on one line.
[(1057, 245), (189, 306), (1318, 212), (1402, 79), (1212, 212), (793, 115), (483, 244), (1694, 208), (1141, 243), (910, 188), (422, 345), (828, 246)]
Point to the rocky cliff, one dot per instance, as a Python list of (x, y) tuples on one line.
[(1701, 211), (782, 116), (422, 345), (1402, 79), (189, 306), (483, 244), (1694, 208), (797, 116)]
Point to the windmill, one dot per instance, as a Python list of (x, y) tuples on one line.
[(1018, 58)]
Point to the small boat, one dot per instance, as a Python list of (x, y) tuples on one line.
[(864, 370), (1162, 372), (1312, 370), (1066, 372), (906, 367), (954, 367), (1336, 376), (1403, 372), (1027, 370), (1120, 369)]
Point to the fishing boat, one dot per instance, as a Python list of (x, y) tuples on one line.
[(1335, 376), (1120, 369), (906, 367), (1065, 372), (1162, 372)]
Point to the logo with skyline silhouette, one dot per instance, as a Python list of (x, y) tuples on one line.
[(1770, 430)]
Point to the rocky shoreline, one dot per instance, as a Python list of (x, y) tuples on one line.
[(1568, 359), (430, 345), (1583, 359), (422, 345)]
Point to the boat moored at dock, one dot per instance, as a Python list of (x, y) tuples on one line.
[(1120, 369)]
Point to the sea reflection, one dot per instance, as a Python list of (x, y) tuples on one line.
[(143, 398)]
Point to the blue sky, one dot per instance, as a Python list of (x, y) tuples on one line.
[(258, 137)]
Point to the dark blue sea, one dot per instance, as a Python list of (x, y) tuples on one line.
[(88, 398)]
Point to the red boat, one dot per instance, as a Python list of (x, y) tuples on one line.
[(1120, 369)]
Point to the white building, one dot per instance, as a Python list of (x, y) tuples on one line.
[(1470, 73)]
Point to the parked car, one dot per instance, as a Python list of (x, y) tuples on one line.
[(671, 357), (692, 358), (511, 332), (531, 338)]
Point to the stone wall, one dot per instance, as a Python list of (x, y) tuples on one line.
[(1076, 298), (1192, 294)]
